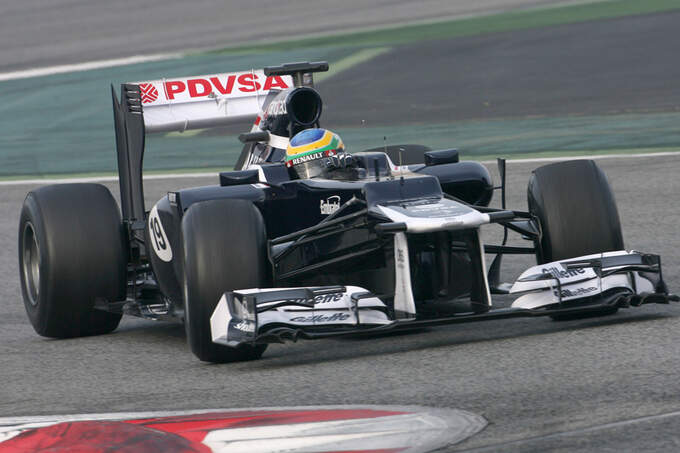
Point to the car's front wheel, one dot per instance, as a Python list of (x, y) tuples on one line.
[(575, 206)]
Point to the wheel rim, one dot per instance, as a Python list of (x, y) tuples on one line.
[(31, 264)]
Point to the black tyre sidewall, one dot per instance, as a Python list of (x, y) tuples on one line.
[(224, 248), (38, 314), (82, 256), (576, 209)]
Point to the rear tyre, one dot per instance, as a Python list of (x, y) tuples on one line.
[(71, 251), (576, 209), (224, 244)]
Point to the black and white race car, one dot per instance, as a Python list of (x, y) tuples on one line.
[(389, 239)]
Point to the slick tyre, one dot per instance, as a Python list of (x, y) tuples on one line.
[(224, 248), (71, 252), (576, 209)]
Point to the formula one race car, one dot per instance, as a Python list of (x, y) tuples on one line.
[(304, 240)]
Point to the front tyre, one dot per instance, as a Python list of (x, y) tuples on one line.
[(71, 252), (224, 248), (575, 206)]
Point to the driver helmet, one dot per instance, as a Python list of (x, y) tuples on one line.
[(308, 150)]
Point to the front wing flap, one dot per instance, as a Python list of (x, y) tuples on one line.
[(254, 315), (578, 285), (560, 282)]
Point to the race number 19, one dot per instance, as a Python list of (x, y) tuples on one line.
[(159, 240)]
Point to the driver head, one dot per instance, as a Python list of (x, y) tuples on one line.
[(309, 150)]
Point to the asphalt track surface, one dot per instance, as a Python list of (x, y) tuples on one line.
[(607, 384), (614, 66), (572, 386), (35, 33)]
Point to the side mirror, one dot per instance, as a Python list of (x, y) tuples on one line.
[(237, 178), (442, 156)]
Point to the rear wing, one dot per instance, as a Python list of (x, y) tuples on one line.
[(180, 104), (206, 101)]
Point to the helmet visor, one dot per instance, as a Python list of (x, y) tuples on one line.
[(312, 169)]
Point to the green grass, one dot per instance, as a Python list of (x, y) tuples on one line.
[(496, 23)]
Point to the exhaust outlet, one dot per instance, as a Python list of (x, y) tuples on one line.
[(304, 106)]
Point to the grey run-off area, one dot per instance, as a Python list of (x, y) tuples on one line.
[(529, 377), (598, 85), (35, 33)]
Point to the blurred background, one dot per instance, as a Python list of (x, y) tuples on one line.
[(494, 78)]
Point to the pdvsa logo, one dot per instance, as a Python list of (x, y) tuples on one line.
[(229, 85), (224, 85), (148, 92)]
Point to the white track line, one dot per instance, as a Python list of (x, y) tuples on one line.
[(596, 157), (103, 179), (87, 66), (214, 174)]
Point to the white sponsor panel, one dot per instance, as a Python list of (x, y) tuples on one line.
[(404, 303), (227, 85), (159, 240), (574, 291), (558, 269), (437, 216), (178, 104), (322, 317), (575, 283), (329, 309)]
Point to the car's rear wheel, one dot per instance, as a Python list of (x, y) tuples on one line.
[(71, 252), (575, 206), (224, 248)]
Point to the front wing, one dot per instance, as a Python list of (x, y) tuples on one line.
[(578, 285)]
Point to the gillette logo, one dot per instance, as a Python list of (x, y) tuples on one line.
[(574, 292), (562, 273), (320, 299), (336, 317)]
